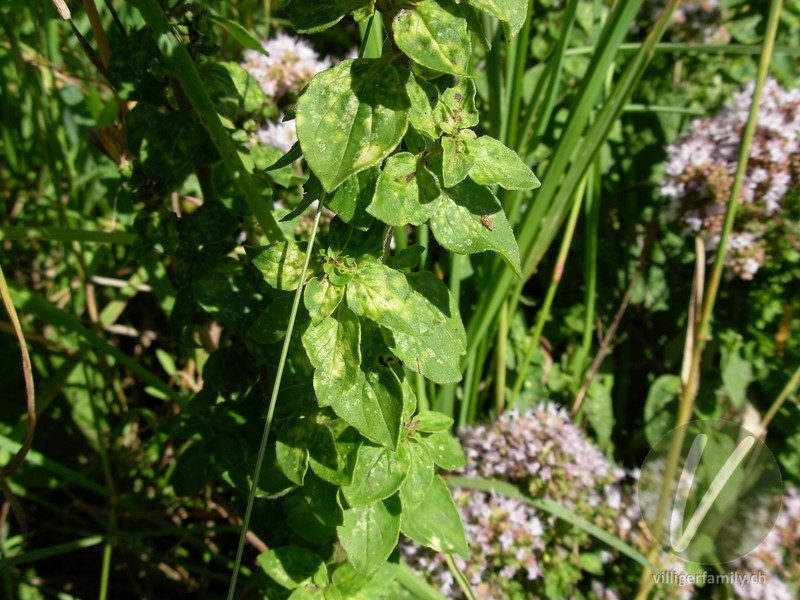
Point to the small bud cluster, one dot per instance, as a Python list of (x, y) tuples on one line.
[(701, 168), (289, 66)]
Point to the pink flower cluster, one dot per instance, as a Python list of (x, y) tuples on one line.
[(776, 557), (291, 64), (702, 164), (515, 548)]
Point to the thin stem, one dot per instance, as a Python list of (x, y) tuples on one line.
[(787, 391), (544, 313), (686, 405), (273, 401), (502, 339), (520, 61), (459, 577)]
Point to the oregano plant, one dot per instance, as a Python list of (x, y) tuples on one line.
[(389, 142)]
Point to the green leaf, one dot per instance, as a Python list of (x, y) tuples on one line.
[(351, 199), (511, 12), (445, 450), (291, 449), (431, 421), (270, 326), (238, 33), (281, 263), (321, 298), (322, 498), (423, 98), (421, 471), (497, 164), (737, 373), (307, 594), (369, 533), (436, 350), (470, 220), (378, 474), (435, 523), (456, 160), (380, 293), (334, 349), (310, 17), (407, 258), (333, 451), (434, 35), (659, 408), (457, 111), (406, 192), (350, 118), (292, 567)]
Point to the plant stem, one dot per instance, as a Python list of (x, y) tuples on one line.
[(544, 312), (787, 391), (686, 404), (502, 339), (273, 400)]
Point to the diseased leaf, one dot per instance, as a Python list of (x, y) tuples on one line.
[(369, 533), (310, 17), (292, 567), (379, 293), (321, 298), (406, 192), (470, 220), (457, 111), (445, 450), (511, 12), (281, 263), (435, 523), (456, 160), (354, 586), (334, 349), (350, 118), (432, 422), (495, 163), (421, 471), (436, 350), (378, 474), (434, 34), (423, 98), (374, 406), (350, 200)]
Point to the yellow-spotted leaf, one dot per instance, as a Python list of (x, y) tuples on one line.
[(497, 164), (437, 349), (369, 533), (350, 118), (470, 219), (434, 34), (511, 12), (406, 192), (334, 349), (435, 522)]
